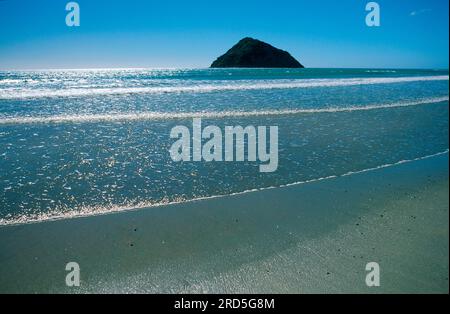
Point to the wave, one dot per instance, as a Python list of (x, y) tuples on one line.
[(381, 71), (18, 93), (142, 116), (10, 81), (102, 210)]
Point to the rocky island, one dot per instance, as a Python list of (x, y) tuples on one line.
[(253, 53)]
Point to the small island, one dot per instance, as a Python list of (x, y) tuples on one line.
[(253, 53)]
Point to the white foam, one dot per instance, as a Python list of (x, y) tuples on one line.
[(98, 210), (10, 81), (142, 116), (25, 93)]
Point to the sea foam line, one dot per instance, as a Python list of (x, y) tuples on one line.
[(17, 93), (98, 211), (142, 116)]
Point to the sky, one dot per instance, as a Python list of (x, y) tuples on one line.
[(190, 33)]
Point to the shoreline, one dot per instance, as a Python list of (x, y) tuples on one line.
[(144, 206), (314, 237)]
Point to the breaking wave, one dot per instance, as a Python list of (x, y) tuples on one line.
[(142, 116), (25, 93)]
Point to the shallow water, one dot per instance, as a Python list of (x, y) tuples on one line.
[(80, 142)]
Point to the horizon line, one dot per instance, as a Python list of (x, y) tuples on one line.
[(209, 68)]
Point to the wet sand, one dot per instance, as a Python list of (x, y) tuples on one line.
[(314, 237)]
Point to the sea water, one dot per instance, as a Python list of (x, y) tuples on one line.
[(84, 142)]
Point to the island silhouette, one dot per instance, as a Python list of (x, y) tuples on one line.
[(253, 53)]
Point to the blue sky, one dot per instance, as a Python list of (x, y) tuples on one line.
[(183, 33)]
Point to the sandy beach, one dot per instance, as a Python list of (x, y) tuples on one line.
[(306, 238)]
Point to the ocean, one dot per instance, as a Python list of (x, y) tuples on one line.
[(88, 142)]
